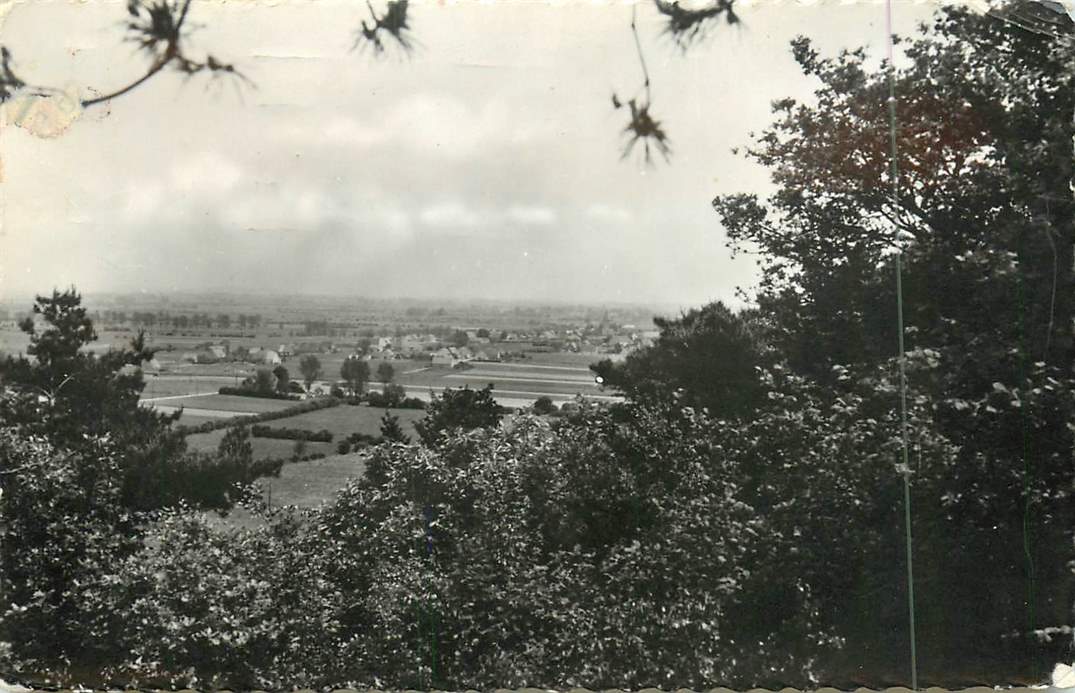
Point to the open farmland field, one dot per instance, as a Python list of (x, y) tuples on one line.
[(174, 385), (303, 484), (563, 358), (219, 406), (342, 421), (308, 484), (514, 384), (189, 419), (347, 419), (173, 366), (263, 447), (235, 403)]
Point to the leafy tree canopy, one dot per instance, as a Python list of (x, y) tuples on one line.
[(708, 358), (356, 373), (459, 408), (310, 366)]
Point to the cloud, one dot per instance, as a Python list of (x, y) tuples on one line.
[(333, 131), (451, 214), (608, 214), (205, 173), (142, 201), (277, 207), (538, 216)]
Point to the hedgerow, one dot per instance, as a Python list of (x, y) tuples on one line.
[(247, 392), (322, 436)]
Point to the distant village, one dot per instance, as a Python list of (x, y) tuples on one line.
[(458, 348), (271, 335)]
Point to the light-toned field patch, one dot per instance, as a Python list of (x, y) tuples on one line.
[(229, 403), (170, 386)]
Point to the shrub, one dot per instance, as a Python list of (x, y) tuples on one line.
[(249, 609), (544, 405), (568, 557), (62, 524), (246, 392), (363, 440), (322, 436)]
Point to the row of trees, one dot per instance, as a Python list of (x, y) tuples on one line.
[(355, 371), (150, 319)]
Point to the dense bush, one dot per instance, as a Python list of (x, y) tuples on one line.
[(357, 441), (63, 529), (391, 396), (376, 399), (197, 607), (544, 405), (322, 436), (627, 546), (591, 555)]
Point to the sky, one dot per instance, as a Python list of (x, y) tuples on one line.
[(485, 164)]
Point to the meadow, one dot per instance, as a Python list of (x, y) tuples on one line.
[(176, 385), (308, 484), (347, 419), (262, 447), (342, 421), (229, 403)]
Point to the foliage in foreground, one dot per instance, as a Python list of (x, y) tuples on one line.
[(643, 544)]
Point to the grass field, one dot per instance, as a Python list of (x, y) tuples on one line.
[(230, 403), (342, 421), (189, 419), (346, 419), (513, 383), (263, 447), (308, 484), (172, 385), (303, 484)]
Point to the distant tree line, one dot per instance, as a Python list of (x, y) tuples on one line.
[(181, 321)]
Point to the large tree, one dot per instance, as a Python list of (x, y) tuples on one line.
[(983, 204), (707, 358), (458, 409), (385, 372), (69, 392), (310, 366), (356, 373), (75, 397), (984, 217)]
